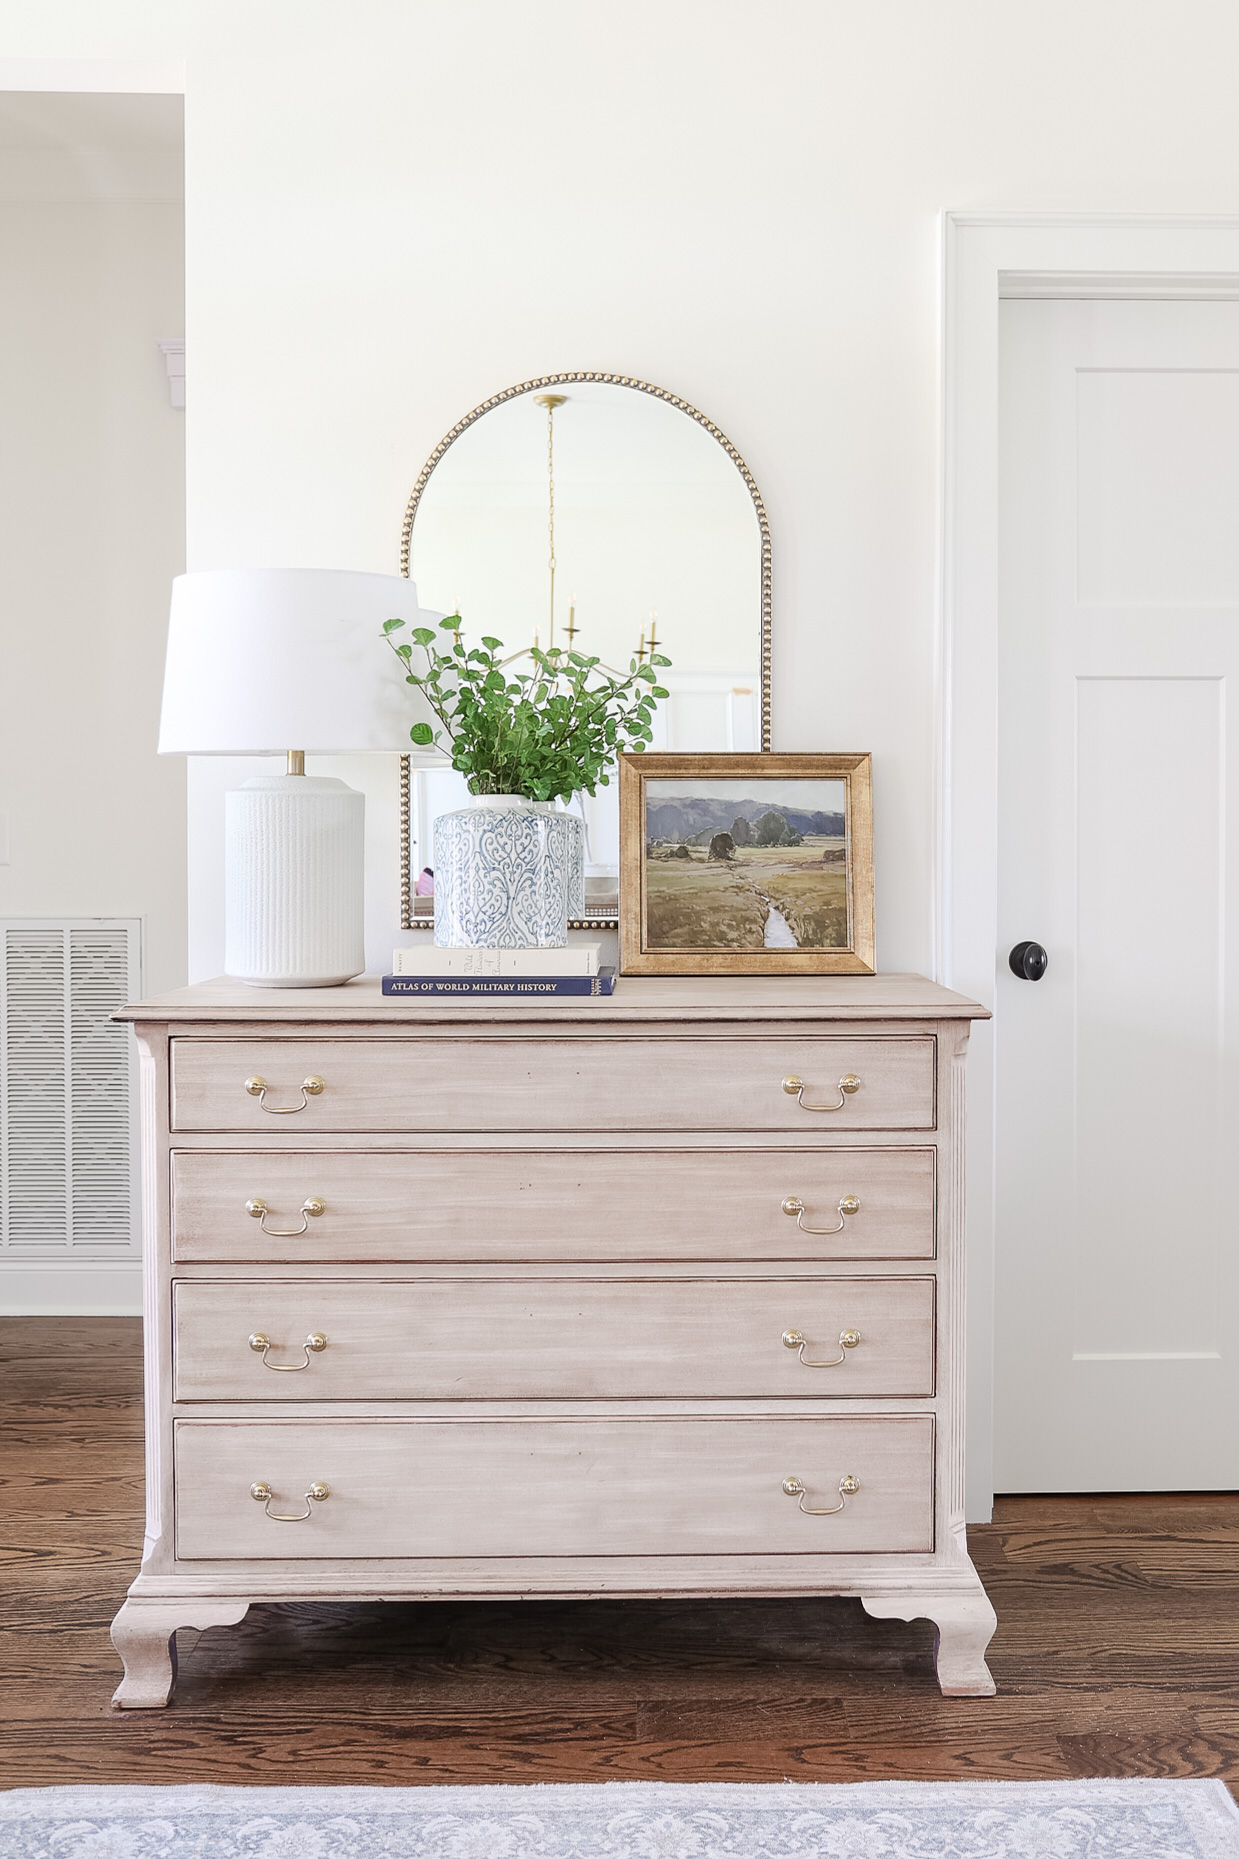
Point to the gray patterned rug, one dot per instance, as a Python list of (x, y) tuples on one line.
[(630, 1820)]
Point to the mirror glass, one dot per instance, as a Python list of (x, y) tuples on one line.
[(656, 528)]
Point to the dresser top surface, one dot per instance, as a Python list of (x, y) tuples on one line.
[(636, 997)]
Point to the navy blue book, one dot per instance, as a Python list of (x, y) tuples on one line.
[(482, 988)]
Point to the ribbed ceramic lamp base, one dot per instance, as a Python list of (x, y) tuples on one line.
[(294, 873)]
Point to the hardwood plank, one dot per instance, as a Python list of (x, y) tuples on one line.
[(55, 1414), (785, 1722), (1052, 1546), (52, 1339), (359, 1747), (1156, 1753), (45, 1603), (1125, 1509), (41, 1504), (925, 1715), (79, 1550), (817, 1754), (1056, 1508), (1110, 1562), (1208, 1681), (1148, 1512)]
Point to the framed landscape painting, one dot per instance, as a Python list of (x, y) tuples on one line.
[(746, 865)]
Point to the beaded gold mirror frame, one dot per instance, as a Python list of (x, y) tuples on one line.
[(539, 384)]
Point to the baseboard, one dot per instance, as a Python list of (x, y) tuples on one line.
[(71, 1288)]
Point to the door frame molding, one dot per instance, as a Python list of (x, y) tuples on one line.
[(983, 258)]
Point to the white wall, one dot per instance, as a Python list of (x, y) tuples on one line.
[(92, 490), (397, 208)]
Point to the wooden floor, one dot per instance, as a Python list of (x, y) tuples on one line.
[(1117, 1650)]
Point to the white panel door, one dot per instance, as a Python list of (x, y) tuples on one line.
[(1117, 1320)]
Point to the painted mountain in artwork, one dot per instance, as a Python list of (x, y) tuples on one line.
[(684, 819)]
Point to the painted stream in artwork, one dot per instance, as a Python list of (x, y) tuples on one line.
[(778, 929)]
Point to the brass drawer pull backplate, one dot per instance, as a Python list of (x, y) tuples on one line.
[(795, 1087), (258, 1087), (796, 1339), (847, 1205), (263, 1494), (848, 1487), (311, 1208), (313, 1344)]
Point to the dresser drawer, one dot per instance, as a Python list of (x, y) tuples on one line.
[(551, 1204), (552, 1487), (619, 1083), (554, 1339)]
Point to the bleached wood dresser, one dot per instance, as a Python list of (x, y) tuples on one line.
[(655, 1295)]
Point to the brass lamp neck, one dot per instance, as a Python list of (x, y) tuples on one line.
[(296, 761)]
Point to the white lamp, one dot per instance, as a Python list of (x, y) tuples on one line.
[(265, 661)]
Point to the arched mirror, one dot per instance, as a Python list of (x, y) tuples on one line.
[(602, 513)]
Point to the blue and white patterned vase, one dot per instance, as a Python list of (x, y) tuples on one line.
[(503, 873), (574, 826)]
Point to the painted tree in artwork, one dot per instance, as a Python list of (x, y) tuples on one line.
[(774, 830)]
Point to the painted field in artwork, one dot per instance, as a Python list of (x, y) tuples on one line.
[(753, 897)]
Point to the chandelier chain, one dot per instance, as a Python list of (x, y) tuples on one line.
[(550, 521)]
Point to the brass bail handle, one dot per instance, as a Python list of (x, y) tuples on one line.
[(311, 1209), (796, 1339), (795, 1087), (845, 1207), (314, 1344), (263, 1494), (795, 1488), (310, 1087)]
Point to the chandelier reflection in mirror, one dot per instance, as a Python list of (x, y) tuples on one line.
[(608, 516)]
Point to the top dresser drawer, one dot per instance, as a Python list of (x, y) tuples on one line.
[(807, 1085)]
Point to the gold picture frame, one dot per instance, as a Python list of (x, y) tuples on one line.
[(695, 894)]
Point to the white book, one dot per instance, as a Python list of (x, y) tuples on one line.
[(426, 958)]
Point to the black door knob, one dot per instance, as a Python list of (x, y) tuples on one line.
[(1029, 961)]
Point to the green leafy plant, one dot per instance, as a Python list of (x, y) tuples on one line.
[(545, 731)]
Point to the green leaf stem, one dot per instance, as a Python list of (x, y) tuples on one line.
[(546, 731)]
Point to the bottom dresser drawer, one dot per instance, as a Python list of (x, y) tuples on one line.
[(580, 1487)]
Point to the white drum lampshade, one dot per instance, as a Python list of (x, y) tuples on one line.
[(265, 661)]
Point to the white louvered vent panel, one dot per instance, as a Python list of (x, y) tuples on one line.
[(35, 1124), (67, 1181)]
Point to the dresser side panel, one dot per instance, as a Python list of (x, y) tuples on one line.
[(153, 1088)]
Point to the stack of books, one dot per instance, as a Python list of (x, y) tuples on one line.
[(431, 973)]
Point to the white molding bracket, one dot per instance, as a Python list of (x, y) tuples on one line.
[(172, 349)]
